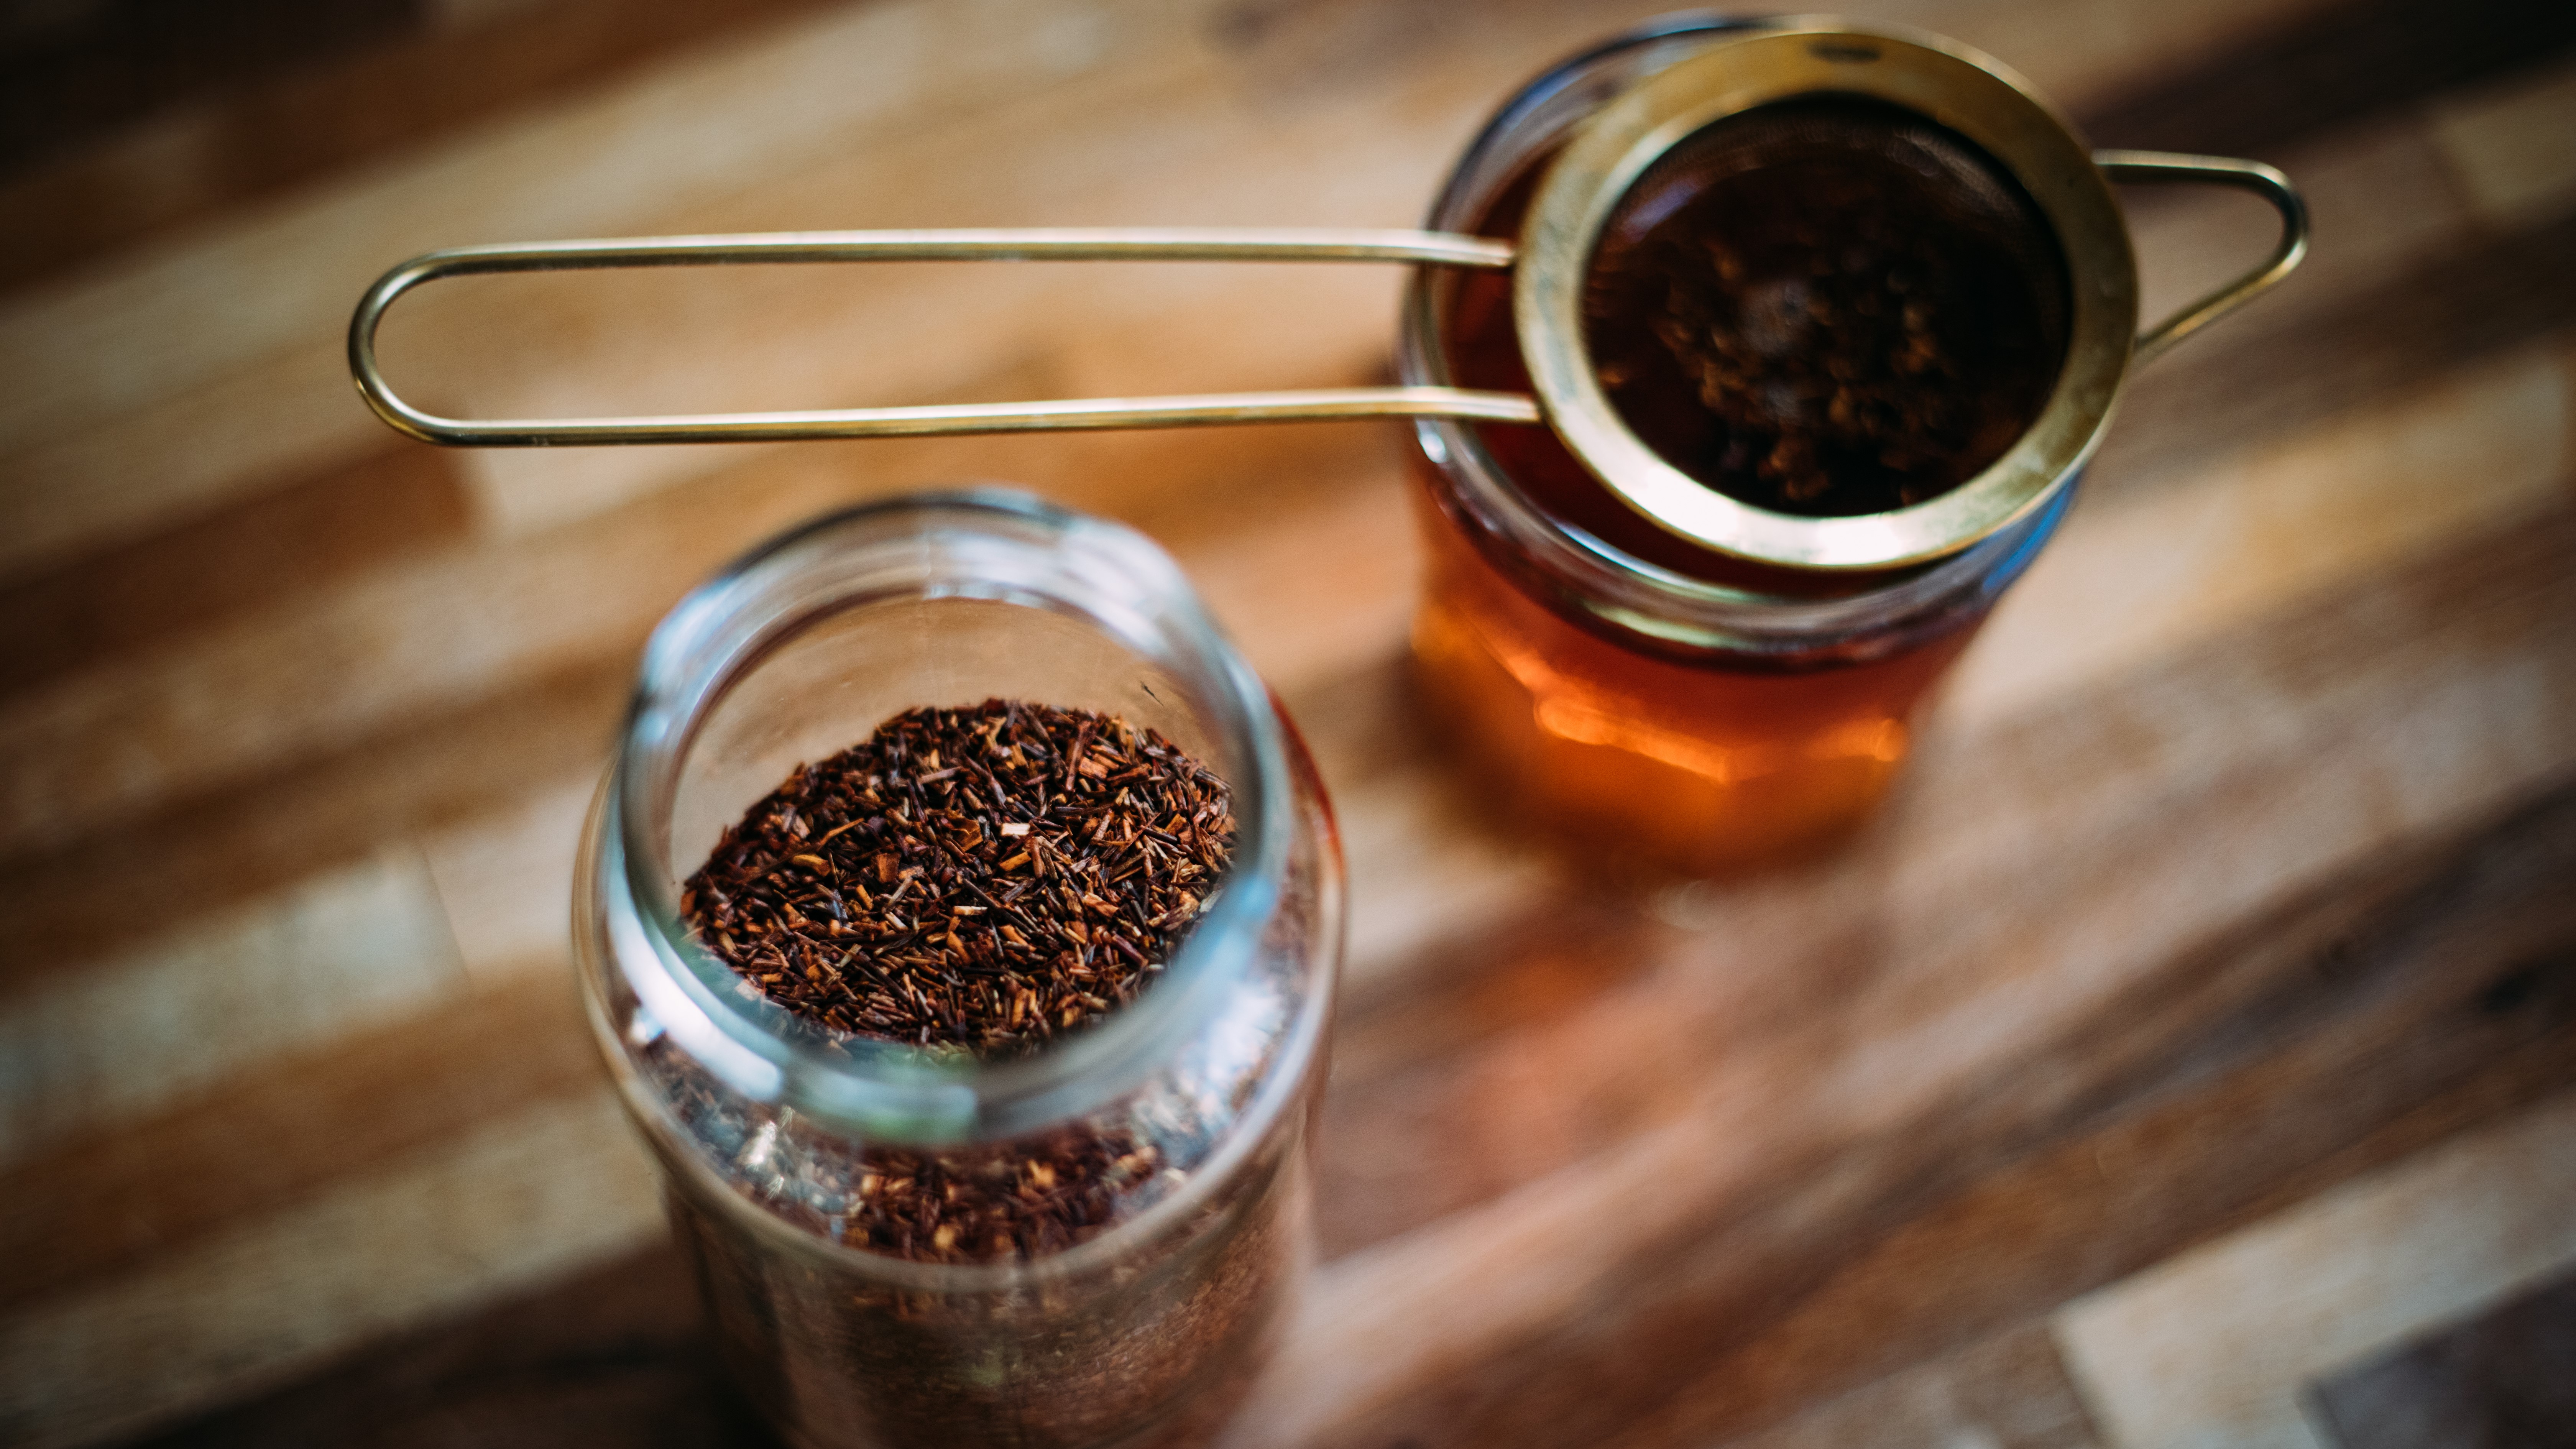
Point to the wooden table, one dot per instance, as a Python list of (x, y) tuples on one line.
[(2186, 1056)]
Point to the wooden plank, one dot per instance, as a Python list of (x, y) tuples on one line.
[(2009, 1392), (2327, 66), (2223, 1343), (81, 70), (227, 134), (1828, 1019), (2497, 1377), (506, 879), (614, 1355), (2393, 1016), (549, 1190), (2383, 197), (2509, 143), (2290, 363), (125, 1035), (286, 543), (287, 1131), (444, 765), (152, 340), (2149, 566)]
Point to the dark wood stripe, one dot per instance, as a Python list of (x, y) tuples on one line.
[(294, 539), (84, 898), (287, 1131), (100, 65), (258, 130), (2334, 66), (612, 1356), (2506, 1378), (2011, 1391)]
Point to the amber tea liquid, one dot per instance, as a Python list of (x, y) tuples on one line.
[(1699, 767)]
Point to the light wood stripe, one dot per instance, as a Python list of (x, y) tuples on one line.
[(2132, 577), (505, 880), (287, 1130), (120, 1037), (2219, 1345), (542, 1193), (451, 762)]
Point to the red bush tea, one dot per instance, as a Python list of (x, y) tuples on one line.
[(1827, 307), (986, 880)]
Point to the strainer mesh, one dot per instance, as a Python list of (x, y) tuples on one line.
[(1827, 306)]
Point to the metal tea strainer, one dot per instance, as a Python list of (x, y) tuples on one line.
[(1950, 113)]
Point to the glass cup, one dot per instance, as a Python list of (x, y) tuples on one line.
[(770, 1130), (1657, 702)]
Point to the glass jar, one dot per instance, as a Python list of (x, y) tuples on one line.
[(771, 1130), (1659, 702)]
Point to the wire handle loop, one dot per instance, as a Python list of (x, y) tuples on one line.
[(1119, 244), (2264, 181)]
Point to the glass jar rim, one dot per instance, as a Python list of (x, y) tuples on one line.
[(929, 546)]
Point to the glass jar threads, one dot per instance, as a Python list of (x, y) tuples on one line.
[(1132, 1305)]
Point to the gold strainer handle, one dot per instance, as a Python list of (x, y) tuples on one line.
[(2254, 176), (1122, 244)]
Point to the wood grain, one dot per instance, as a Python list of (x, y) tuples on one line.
[(2440, 1237), (211, 852), (2328, 66), (252, 115), (551, 1188), (615, 1354), (2498, 1377), (288, 543), (2228, 877), (281, 1132)]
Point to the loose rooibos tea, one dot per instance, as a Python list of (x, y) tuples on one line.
[(987, 879)]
